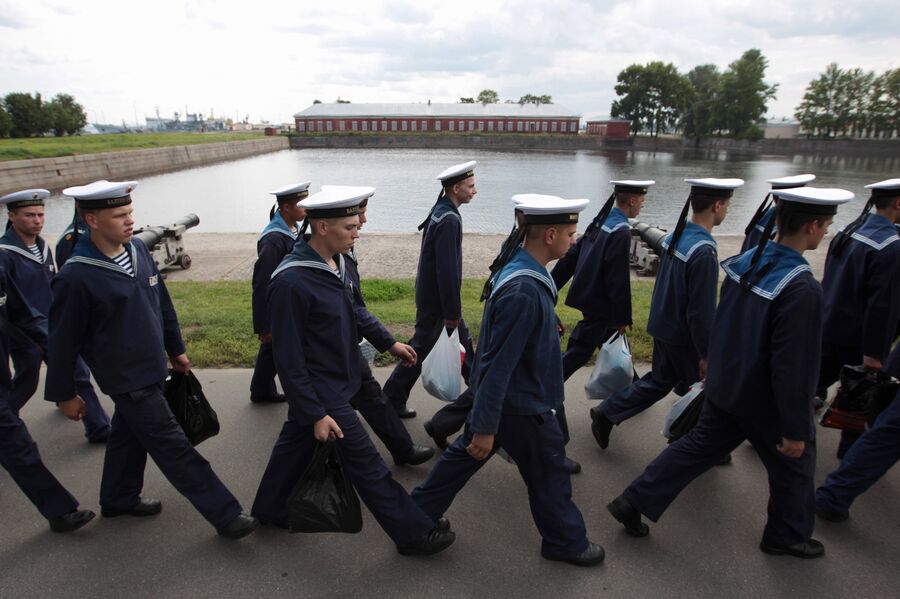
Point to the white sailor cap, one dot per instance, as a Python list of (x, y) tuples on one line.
[(540, 209), (26, 197), (791, 182), (814, 200), (632, 186), (719, 188), (886, 188), (102, 194), (294, 191), (457, 172), (337, 201)]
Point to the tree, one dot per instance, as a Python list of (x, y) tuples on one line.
[(339, 101), (488, 96), (652, 96), (533, 99), (5, 121), (317, 101), (743, 95), (64, 115), (699, 117), (26, 114), (467, 100)]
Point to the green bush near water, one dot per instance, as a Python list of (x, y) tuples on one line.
[(217, 326)]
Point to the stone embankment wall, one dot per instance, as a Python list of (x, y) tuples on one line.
[(56, 173)]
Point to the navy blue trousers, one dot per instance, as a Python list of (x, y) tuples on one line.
[(379, 414), (263, 381), (19, 456), (588, 335), (674, 367), (143, 424), (389, 502), (876, 451), (535, 443), (791, 506), (428, 329), (26, 359)]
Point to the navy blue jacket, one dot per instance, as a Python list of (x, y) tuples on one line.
[(862, 289), (368, 325), (439, 276), (30, 274), (752, 238), (766, 342), (518, 365), (275, 242), (122, 325), (684, 297), (600, 272), (314, 333), (66, 242), (16, 312)]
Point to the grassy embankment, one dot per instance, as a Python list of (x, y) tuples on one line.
[(216, 323), (51, 147)]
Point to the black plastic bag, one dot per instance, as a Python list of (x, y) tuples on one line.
[(861, 397), (324, 499), (688, 418), (192, 411)]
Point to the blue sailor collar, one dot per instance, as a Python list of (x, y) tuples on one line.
[(764, 219), (780, 263), (444, 208), (693, 237), (522, 264), (277, 225), (615, 220), (13, 243), (876, 232), (85, 252), (303, 255)]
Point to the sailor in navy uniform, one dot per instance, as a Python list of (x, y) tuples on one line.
[(275, 242), (681, 311), (67, 240), (766, 210), (18, 452), (111, 307), (862, 292), (312, 311), (370, 400), (599, 267), (517, 380), (29, 263), (438, 282), (763, 366)]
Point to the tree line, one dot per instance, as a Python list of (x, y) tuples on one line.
[(26, 115), (851, 103), (489, 96)]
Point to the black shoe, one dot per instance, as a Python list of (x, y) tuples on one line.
[(601, 427), (725, 460), (144, 507), (630, 518), (101, 436), (591, 556), (810, 549), (572, 466), (443, 524), (240, 527), (439, 440), (832, 516), (405, 412), (277, 398), (71, 521), (417, 454), (434, 542)]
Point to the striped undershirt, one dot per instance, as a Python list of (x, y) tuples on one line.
[(34, 249), (124, 260)]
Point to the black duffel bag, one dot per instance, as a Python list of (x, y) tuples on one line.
[(324, 499), (192, 411), (861, 397)]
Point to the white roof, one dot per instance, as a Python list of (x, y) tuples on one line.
[(437, 110)]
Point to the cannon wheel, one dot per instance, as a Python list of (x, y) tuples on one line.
[(184, 261)]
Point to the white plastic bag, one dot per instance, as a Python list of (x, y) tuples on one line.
[(680, 405), (613, 370), (442, 368)]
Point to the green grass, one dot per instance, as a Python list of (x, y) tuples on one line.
[(217, 327), (51, 147)]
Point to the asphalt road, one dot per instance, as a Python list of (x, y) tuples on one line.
[(705, 545)]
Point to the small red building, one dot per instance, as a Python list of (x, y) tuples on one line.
[(446, 118), (614, 129)]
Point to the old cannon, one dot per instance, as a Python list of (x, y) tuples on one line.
[(165, 242), (646, 246)]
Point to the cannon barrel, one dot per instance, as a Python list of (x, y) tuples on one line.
[(652, 236), (153, 235)]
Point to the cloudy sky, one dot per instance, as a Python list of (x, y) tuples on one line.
[(268, 59)]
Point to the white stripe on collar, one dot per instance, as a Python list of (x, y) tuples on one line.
[(110, 265), (690, 252), (314, 264), (770, 295), (27, 253), (527, 272), (868, 241), (622, 225), (437, 219)]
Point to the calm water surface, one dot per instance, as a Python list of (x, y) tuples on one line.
[(232, 197)]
